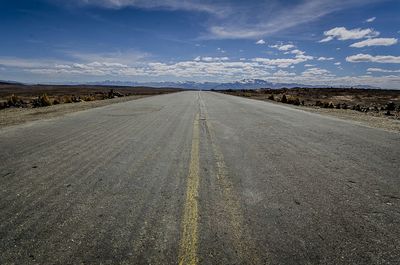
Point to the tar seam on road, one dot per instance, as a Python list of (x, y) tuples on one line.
[(244, 246), (188, 243)]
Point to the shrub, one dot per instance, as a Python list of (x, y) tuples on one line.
[(76, 99), (390, 106), (271, 97), (356, 107), (111, 93), (14, 101), (296, 101), (89, 98), (284, 99), (331, 106), (56, 101), (45, 100), (41, 101), (318, 103), (293, 100), (67, 99)]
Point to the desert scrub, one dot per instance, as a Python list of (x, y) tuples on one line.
[(14, 101), (89, 98), (42, 101), (293, 100), (56, 101), (45, 100), (67, 99)]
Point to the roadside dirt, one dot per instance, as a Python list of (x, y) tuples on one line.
[(377, 120), (14, 116), (370, 119)]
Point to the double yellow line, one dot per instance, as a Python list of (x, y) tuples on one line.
[(189, 244), (188, 247)]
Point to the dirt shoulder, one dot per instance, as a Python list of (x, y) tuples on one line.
[(370, 119), (14, 116)]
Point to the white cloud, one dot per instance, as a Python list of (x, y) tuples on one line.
[(260, 42), (370, 58), (297, 52), (207, 71), (255, 23), (283, 63), (371, 19), (200, 67), (382, 70), (282, 73), (283, 47), (341, 33), (337, 63), (316, 72), (375, 42), (234, 19), (309, 65), (329, 38), (325, 58), (189, 5), (210, 59)]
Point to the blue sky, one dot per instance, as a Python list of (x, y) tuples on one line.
[(328, 42)]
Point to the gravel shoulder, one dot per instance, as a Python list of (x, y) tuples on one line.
[(370, 119), (14, 116)]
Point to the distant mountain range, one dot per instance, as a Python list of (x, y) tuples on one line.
[(242, 84)]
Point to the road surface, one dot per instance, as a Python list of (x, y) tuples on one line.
[(198, 178)]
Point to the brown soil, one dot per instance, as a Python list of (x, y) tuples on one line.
[(371, 102), (14, 116)]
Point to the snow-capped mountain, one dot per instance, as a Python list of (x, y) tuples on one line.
[(242, 84)]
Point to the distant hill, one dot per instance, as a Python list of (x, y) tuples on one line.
[(2, 82), (242, 84)]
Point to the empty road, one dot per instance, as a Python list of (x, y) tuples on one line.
[(198, 178)]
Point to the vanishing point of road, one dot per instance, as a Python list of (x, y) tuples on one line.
[(198, 178)]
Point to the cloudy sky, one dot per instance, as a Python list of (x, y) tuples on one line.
[(329, 42)]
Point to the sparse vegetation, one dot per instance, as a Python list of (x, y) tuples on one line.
[(42, 101), (67, 99), (14, 101), (89, 98), (35, 96), (375, 101)]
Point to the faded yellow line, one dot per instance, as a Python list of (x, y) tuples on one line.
[(244, 246), (188, 243)]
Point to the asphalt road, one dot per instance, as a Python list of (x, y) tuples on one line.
[(198, 178)]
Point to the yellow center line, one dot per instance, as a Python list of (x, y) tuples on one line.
[(243, 245), (188, 243)]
